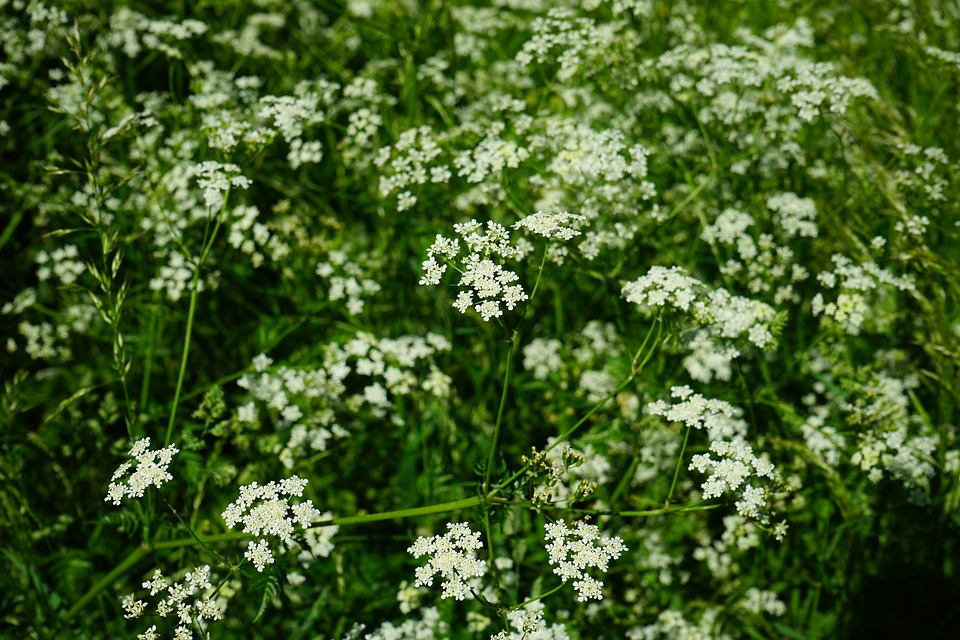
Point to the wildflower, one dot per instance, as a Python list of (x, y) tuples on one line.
[(561, 225), (216, 179), (265, 511), (180, 599), (132, 608), (488, 285), (151, 469), (574, 550), (729, 472), (720, 419), (453, 556)]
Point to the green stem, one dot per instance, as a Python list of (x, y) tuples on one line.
[(676, 472), (148, 357), (536, 598), (511, 352), (10, 228), (194, 535), (466, 503), (186, 352), (508, 367), (179, 543), (137, 554), (634, 513), (191, 313)]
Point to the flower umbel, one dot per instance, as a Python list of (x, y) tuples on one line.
[(190, 599), (151, 469), (574, 550), (266, 511), (453, 558)]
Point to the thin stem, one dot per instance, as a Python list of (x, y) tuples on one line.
[(511, 352), (191, 313), (676, 472), (194, 535), (466, 503), (188, 334), (536, 598), (635, 369), (633, 513), (151, 349), (508, 367)]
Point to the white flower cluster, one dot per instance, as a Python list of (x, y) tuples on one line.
[(926, 173), (575, 550), (729, 472), (857, 284), (561, 224), (319, 541), (761, 95), (64, 264), (570, 40), (453, 556), (131, 32), (313, 404), (763, 601), (216, 179), (720, 555), (671, 624), (178, 601), (735, 462), (265, 510), (346, 281), (248, 41), (254, 238), (761, 263), (541, 356), (406, 164), (176, 277), (428, 626), (723, 314), (44, 341), (795, 215), (822, 439), (814, 90), (151, 469), (720, 419), (486, 283), (527, 624), (889, 440)]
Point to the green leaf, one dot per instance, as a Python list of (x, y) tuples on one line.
[(267, 585)]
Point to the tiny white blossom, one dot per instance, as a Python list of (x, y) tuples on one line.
[(574, 550), (453, 556), (560, 225), (264, 510), (259, 554), (151, 469)]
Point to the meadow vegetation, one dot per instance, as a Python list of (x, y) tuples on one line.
[(498, 319)]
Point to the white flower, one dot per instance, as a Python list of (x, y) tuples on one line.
[(266, 511), (729, 472), (132, 608), (486, 283), (453, 558), (259, 554), (151, 469), (574, 550), (561, 225)]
